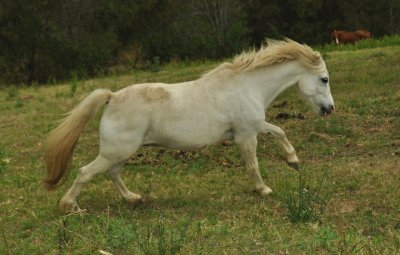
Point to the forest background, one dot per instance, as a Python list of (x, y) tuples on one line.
[(45, 41)]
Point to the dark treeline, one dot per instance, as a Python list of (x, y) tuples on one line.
[(51, 39)]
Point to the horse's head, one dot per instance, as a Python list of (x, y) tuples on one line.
[(335, 36), (314, 85)]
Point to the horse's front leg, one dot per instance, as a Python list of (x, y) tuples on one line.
[(279, 134), (248, 147)]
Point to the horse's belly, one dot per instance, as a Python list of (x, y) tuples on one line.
[(187, 137)]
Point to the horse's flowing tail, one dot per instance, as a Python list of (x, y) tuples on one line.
[(61, 142)]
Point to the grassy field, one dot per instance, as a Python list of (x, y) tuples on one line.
[(345, 200)]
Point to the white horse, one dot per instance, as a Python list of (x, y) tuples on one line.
[(229, 102)]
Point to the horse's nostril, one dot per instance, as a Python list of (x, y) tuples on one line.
[(327, 110)]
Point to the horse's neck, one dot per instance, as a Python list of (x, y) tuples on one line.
[(271, 81)]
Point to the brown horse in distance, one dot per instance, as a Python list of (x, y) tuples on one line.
[(343, 37)]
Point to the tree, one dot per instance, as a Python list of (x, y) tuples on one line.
[(225, 19), (41, 39)]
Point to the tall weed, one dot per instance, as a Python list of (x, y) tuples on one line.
[(307, 199), (74, 83)]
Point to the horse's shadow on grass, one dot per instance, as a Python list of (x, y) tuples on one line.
[(208, 203)]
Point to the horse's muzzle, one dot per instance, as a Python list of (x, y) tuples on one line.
[(326, 110)]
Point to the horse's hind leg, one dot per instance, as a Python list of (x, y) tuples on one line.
[(279, 134), (86, 173), (114, 174)]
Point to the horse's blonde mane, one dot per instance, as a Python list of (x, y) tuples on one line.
[(272, 52)]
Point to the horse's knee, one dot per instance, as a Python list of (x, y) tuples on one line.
[(279, 132), (273, 130)]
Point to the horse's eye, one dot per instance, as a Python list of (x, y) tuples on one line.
[(324, 80)]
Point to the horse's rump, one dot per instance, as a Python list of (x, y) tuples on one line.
[(364, 34)]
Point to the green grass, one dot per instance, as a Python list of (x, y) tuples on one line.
[(201, 202)]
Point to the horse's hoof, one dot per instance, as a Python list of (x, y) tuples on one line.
[(70, 207), (294, 165), (264, 191), (134, 198)]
